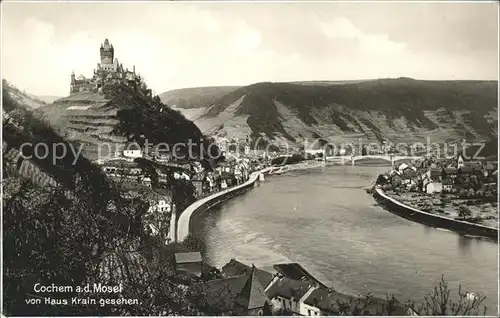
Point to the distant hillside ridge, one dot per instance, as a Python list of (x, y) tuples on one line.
[(195, 97), (48, 99), (26, 99), (400, 109)]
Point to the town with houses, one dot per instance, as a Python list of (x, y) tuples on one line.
[(456, 187)]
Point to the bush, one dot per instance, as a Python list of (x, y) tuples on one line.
[(464, 212)]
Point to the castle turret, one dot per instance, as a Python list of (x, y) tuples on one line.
[(72, 77), (107, 53)]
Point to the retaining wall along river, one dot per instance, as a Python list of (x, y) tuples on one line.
[(200, 206), (434, 220)]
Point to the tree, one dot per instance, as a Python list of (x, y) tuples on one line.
[(381, 179), (439, 303), (194, 244), (464, 212), (364, 151)]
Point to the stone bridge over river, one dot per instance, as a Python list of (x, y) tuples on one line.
[(388, 158)]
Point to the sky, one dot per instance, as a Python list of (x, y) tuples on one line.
[(191, 44)]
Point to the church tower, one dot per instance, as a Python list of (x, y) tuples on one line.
[(252, 298), (107, 53)]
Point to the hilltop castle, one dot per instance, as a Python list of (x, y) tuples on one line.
[(108, 72)]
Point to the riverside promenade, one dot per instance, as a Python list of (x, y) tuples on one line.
[(184, 222), (434, 220)]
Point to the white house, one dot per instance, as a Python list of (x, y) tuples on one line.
[(322, 302), (460, 162), (132, 153), (160, 206), (434, 187), (223, 184), (223, 144), (447, 187), (289, 293), (159, 215), (402, 167), (146, 181)]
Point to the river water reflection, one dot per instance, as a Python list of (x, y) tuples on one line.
[(322, 219)]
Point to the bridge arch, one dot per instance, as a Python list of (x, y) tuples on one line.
[(389, 158)]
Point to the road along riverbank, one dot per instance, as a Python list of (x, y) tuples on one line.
[(184, 223), (437, 221)]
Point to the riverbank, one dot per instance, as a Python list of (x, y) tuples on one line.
[(184, 222), (482, 211), (434, 220), (300, 166)]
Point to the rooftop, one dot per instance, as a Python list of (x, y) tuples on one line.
[(236, 268), (120, 163), (490, 166), (450, 170), (469, 169), (252, 294), (188, 257), (297, 272), (409, 174), (289, 288), (328, 300), (473, 164), (435, 172), (247, 289), (221, 293)]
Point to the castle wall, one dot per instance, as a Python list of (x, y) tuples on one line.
[(86, 87)]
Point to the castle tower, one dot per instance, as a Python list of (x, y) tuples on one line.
[(71, 85), (107, 54)]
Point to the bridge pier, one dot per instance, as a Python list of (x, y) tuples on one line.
[(172, 233)]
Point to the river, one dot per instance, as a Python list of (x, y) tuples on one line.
[(322, 219)]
